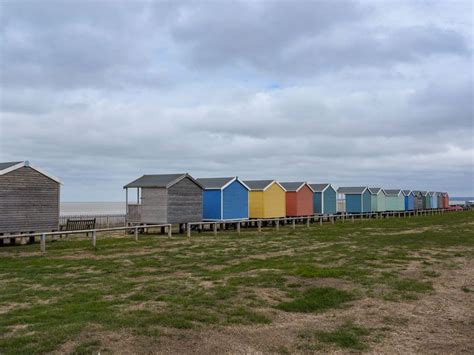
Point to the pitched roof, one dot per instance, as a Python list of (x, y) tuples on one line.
[(358, 190), (293, 186), (11, 166), (7, 165), (214, 183), (260, 185), (160, 180), (375, 190), (393, 192), (319, 187), (406, 192)]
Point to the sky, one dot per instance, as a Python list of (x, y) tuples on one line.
[(355, 93)]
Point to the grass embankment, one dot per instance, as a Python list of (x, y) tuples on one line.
[(159, 287)]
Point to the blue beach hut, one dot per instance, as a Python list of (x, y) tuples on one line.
[(433, 199), (224, 198), (357, 199), (324, 198), (409, 200)]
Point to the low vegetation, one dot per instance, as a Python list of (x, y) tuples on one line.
[(161, 290)]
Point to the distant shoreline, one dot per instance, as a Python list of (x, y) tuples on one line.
[(95, 208)]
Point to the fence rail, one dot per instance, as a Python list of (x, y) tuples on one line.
[(101, 220), (222, 225)]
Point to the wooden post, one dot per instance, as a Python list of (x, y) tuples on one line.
[(170, 230), (259, 226), (214, 228), (189, 230), (308, 219), (136, 234), (293, 224), (352, 218), (43, 243), (277, 224), (238, 228), (94, 239), (332, 219)]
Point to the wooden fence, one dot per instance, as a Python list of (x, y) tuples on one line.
[(101, 220)]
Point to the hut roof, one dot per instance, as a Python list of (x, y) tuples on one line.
[(260, 185), (294, 186), (375, 190), (393, 192), (319, 187), (358, 190), (407, 192), (11, 166), (7, 165), (218, 183), (160, 180)]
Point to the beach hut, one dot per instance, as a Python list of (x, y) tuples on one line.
[(426, 200), (299, 199), (440, 199), (377, 199), (417, 200), (29, 199), (445, 200), (324, 199), (267, 199), (395, 200), (409, 200), (356, 199), (433, 199), (164, 198), (224, 198)]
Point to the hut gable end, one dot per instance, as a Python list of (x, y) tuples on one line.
[(29, 201), (184, 201)]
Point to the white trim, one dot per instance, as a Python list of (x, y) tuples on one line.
[(222, 203), (227, 184), (243, 183), (270, 184), (27, 164), (11, 168), (175, 181), (306, 183), (327, 186), (322, 201), (231, 181), (52, 177)]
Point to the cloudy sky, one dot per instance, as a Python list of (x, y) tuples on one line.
[(349, 92)]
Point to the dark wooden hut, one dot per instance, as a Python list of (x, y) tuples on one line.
[(165, 198), (418, 200), (29, 199)]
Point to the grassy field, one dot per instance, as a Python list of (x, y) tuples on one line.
[(389, 285)]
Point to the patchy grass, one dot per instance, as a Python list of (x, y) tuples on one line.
[(316, 300), (159, 284), (347, 336)]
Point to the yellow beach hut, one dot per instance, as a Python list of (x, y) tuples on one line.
[(267, 199)]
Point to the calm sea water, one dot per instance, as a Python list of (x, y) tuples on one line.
[(78, 208)]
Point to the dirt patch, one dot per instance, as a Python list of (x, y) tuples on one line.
[(440, 322), (409, 231)]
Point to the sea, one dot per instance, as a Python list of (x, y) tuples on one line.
[(91, 208), (107, 208)]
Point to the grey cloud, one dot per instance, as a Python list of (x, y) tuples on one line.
[(99, 93)]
